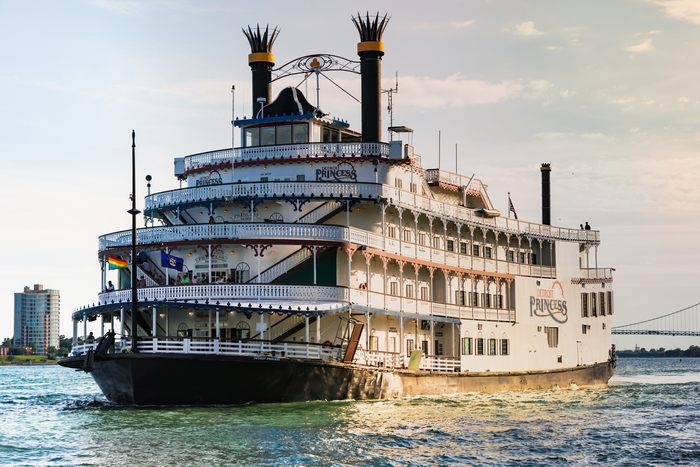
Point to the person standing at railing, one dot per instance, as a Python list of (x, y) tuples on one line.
[(110, 286), (141, 283)]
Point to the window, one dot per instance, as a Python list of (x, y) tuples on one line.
[(409, 347), (522, 257), (242, 273), (421, 238), (602, 303), (436, 242), (487, 252), (335, 136), (267, 136), (610, 310), (492, 347), (374, 343), (463, 248), (584, 305), (499, 301), (552, 336), (414, 188), (480, 346), (301, 133), (459, 297), (466, 346), (533, 258), (398, 183), (486, 300), (450, 245), (425, 348), (252, 137), (301, 178), (394, 288), (474, 298), (505, 347), (594, 309), (438, 348), (584, 328), (406, 235), (511, 255), (424, 293), (391, 230), (475, 250), (284, 134), (409, 290), (264, 179)]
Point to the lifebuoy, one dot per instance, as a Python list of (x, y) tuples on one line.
[(327, 343)]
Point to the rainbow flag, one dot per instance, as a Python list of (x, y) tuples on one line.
[(116, 263)]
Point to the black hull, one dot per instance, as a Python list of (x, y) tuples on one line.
[(168, 379)]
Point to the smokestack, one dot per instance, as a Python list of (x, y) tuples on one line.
[(371, 49), (546, 206), (261, 61)]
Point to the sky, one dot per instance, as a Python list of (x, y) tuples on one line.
[(604, 91)]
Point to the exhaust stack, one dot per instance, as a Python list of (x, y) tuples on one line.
[(546, 206), (371, 49), (261, 61)]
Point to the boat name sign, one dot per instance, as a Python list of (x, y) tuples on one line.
[(214, 178), (341, 172), (550, 303)]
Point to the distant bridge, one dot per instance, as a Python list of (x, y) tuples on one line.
[(685, 322)]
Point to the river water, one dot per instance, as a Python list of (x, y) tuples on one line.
[(650, 415)]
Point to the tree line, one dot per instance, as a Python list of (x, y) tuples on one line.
[(692, 351), (65, 345)]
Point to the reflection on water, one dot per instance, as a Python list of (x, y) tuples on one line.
[(649, 414)]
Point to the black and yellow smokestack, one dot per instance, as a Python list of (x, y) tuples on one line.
[(261, 61), (546, 169), (371, 49)]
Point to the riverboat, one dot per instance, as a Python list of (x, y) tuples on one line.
[(316, 262)]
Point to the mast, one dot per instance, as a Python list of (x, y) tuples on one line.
[(134, 212)]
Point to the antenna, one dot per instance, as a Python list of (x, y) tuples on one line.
[(456, 171), (439, 148), (390, 107)]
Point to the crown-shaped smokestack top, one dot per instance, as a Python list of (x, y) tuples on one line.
[(261, 42), (261, 62), (371, 49), (371, 31)]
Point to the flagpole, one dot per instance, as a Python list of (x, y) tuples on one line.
[(134, 212), (509, 205)]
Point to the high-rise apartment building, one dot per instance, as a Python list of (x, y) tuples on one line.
[(37, 314)]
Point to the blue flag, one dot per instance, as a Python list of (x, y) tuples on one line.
[(172, 262)]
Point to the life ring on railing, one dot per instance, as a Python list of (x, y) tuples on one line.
[(327, 344)]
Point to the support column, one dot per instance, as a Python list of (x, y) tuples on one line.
[(209, 333), (217, 324), (75, 330), (384, 261), (167, 321), (121, 323), (318, 330), (209, 273), (401, 351), (102, 325), (306, 334), (153, 327), (84, 328)]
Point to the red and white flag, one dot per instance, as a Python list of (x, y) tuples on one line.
[(511, 208)]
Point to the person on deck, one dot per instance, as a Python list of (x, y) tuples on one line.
[(146, 267), (186, 280), (110, 286), (141, 283)]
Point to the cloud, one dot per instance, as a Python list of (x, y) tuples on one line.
[(626, 100), (687, 11), (527, 29), (552, 135), (566, 93), (634, 130), (455, 91), (553, 47), (643, 47), (461, 24), (655, 31), (683, 99), (537, 89)]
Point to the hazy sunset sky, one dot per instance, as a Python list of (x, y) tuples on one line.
[(607, 92)]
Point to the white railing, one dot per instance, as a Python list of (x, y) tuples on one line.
[(233, 293), (288, 151), (269, 231), (208, 158), (285, 325), (440, 363), (320, 212), (398, 197), (593, 273), (216, 347), (284, 266)]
